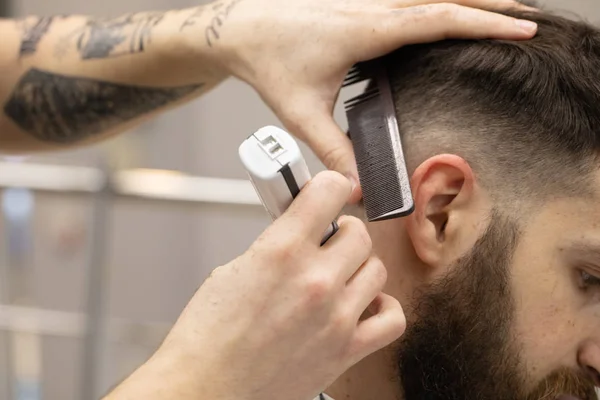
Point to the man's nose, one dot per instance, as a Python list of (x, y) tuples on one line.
[(589, 359)]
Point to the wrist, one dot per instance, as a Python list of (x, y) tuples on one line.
[(164, 376), (179, 52), (198, 41), (220, 32)]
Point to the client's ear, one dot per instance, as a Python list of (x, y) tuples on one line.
[(448, 206)]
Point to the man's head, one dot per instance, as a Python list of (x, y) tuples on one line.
[(497, 265)]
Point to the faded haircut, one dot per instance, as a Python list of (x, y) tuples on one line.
[(524, 114)]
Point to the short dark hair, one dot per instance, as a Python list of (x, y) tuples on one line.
[(523, 113)]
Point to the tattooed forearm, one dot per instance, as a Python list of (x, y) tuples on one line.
[(66, 109), (103, 38), (192, 19), (34, 29), (223, 11)]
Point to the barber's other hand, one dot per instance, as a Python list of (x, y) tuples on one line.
[(295, 53), (282, 320)]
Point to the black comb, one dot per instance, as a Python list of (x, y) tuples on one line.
[(373, 130)]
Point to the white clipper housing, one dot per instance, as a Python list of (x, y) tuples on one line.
[(277, 170)]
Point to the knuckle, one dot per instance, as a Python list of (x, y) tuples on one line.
[(318, 290), (398, 323), (396, 318), (282, 253), (286, 245), (358, 228), (341, 321), (380, 271), (285, 253), (445, 11), (365, 237)]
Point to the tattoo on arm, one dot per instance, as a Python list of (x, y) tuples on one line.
[(34, 29), (223, 11), (192, 19), (114, 37), (66, 109)]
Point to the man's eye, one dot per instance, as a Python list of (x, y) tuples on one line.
[(588, 280)]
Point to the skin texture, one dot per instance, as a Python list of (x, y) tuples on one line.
[(547, 302)]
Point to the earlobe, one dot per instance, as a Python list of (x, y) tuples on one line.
[(442, 187)]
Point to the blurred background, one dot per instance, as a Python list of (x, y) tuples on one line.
[(91, 279)]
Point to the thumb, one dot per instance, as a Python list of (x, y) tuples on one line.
[(321, 133)]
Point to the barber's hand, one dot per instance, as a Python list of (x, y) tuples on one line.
[(295, 53), (282, 320)]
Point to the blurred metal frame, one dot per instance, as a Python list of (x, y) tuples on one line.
[(95, 339), (103, 186), (137, 183)]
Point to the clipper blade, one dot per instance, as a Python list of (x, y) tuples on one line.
[(373, 130)]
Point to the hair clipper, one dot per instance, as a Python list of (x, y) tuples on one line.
[(277, 170)]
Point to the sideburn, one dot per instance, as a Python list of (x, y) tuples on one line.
[(457, 345)]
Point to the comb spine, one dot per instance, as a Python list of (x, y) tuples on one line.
[(393, 130), (387, 100)]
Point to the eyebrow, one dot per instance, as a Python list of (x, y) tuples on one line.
[(585, 250)]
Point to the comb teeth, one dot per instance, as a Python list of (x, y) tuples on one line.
[(361, 72), (357, 73), (362, 98), (352, 73)]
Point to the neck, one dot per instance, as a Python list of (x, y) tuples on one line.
[(375, 377), (371, 378)]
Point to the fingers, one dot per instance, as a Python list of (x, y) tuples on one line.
[(482, 4), (384, 327), (439, 21), (450, 20), (365, 285), (349, 248), (330, 144), (316, 206)]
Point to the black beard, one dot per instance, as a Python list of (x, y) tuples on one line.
[(459, 344)]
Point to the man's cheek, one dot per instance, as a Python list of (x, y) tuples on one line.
[(543, 332)]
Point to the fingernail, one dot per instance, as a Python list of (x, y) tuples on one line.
[(527, 26)]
